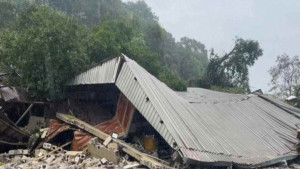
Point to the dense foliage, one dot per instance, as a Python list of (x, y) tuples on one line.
[(45, 42), (133, 26), (42, 50)]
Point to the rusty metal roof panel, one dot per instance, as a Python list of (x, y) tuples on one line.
[(103, 73)]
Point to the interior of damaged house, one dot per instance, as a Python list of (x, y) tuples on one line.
[(116, 114)]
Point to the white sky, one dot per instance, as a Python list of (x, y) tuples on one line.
[(275, 24)]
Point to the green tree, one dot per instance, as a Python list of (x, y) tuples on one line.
[(130, 28), (172, 80), (109, 39), (114, 37), (193, 59), (43, 50), (231, 70)]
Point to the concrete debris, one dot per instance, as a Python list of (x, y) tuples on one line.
[(68, 160), (18, 152), (104, 161), (131, 165), (107, 141), (47, 146), (40, 152), (113, 146), (73, 153), (44, 133), (97, 149), (115, 135), (100, 151)]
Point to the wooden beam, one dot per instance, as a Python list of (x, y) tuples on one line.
[(26, 111), (143, 158), (82, 125)]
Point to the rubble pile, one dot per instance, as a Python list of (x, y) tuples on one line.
[(99, 150), (51, 156)]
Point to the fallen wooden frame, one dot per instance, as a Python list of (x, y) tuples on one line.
[(143, 158)]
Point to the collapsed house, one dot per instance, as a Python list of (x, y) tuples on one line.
[(196, 128), (202, 126)]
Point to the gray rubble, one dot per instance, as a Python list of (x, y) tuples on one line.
[(45, 159)]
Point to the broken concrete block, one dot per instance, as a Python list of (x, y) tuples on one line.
[(73, 153), (131, 165), (91, 162), (77, 159), (104, 161), (25, 152), (43, 166), (99, 151), (107, 140), (53, 147), (59, 150), (40, 152), (44, 129), (15, 152), (115, 135), (82, 156), (47, 146), (113, 146), (50, 158), (44, 134)]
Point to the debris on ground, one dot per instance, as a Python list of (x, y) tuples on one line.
[(44, 159)]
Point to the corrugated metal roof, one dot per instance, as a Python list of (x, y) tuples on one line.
[(208, 96), (210, 126), (251, 127), (103, 73)]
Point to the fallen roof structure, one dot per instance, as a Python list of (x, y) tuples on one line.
[(10, 134), (203, 126)]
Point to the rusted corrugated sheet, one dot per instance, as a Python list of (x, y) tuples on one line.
[(80, 140), (119, 124), (55, 128)]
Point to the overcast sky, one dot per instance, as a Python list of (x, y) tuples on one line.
[(275, 24)]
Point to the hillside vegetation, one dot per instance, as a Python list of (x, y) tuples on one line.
[(43, 43)]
